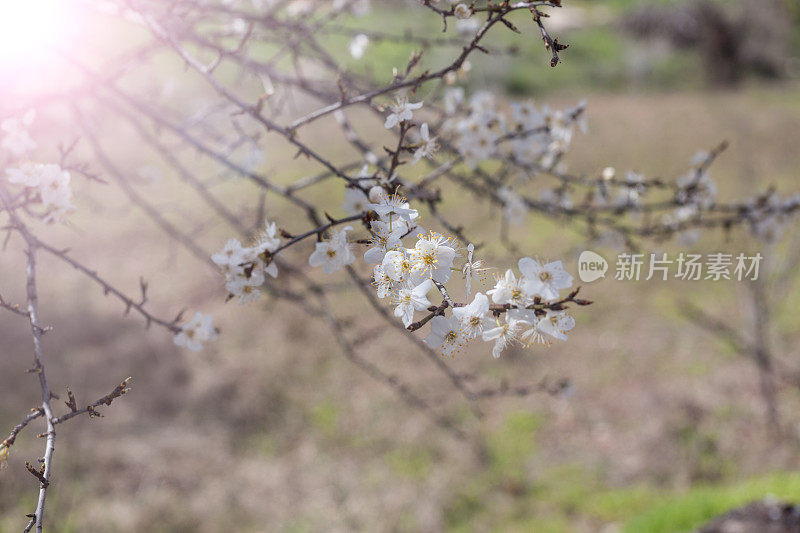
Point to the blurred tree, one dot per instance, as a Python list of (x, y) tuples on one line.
[(734, 42)]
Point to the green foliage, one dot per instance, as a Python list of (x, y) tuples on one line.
[(511, 446), (698, 505), (325, 418), (412, 462)]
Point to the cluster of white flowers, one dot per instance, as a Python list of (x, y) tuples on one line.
[(695, 193), (197, 331), (52, 184), (530, 307), (526, 319), (49, 182), (407, 275), (244, 268), (532, 137), (16, 138), (334, 253), (771, 214)]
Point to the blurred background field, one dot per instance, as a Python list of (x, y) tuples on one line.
[(271, 429)]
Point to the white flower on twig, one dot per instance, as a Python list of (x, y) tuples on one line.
[(503, 335), (473, 269), (197, 331), (554, 324), (445, 336), (473, 317), (402, 110), (410, 299), (543, 280), (52, 184), (428, 146), (385, 237), (333, 254), (432, 257), (462, 12), (508, 290)]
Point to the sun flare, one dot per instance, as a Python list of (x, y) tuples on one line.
[(31, 31)]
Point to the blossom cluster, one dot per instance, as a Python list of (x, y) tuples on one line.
[(49, 182), (409, 263), (196, 332), (528, 135), (695, 194), (244, 267), (531, 138), (524, 310), (406, 276)]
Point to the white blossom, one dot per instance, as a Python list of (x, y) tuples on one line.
[(244, 270), (474, 316), (384, 237), (526, 117), (402, 110), (268, 241), (358, 46), (428, 146), (397, 265), (554, 324), (230, 257), (432, 257), (377, 194), (394, 206), (467, 27), (462, 12), (382, 282), (410, 299), (543, 280), (445, 336), (16, 138), (504, 334), (508, 290), (333, 254), (197, 331), (473, 269), (246, 289), (52, 184)]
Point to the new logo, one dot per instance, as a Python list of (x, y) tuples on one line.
[(591, 266)]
